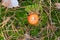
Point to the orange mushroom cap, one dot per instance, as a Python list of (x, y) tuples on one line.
[(33, 19)]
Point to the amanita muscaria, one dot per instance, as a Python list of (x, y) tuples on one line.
[(33, 18), (10, 3)]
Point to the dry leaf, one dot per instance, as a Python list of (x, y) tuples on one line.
[(57, 5), (10, 3)]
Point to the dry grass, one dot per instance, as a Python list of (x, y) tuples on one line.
[(14, 24)]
